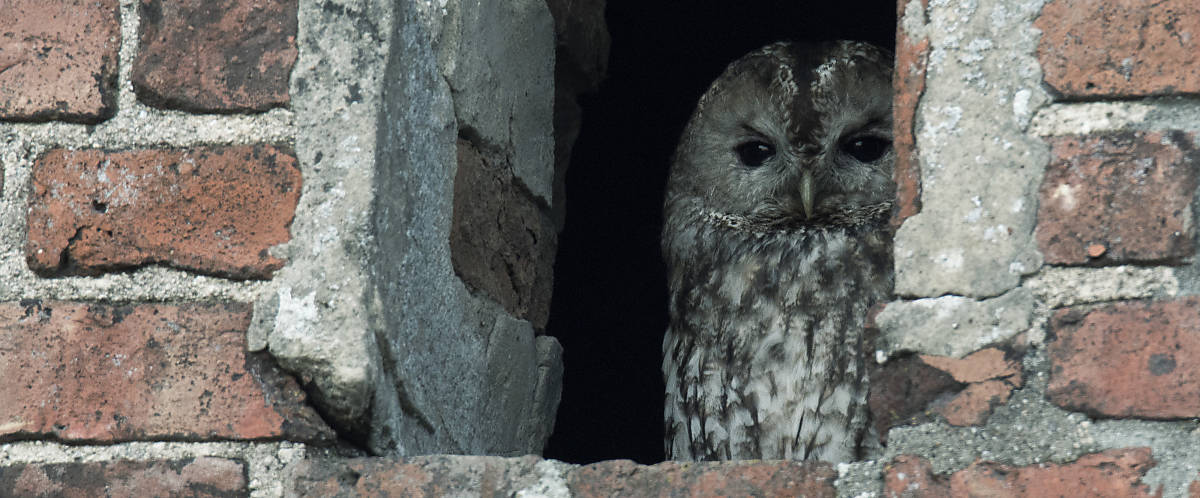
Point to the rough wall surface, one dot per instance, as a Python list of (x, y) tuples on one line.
[(161, 333), (59, 60), (439, 391), (251, 239), (1045, 254)]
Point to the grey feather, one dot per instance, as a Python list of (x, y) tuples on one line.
[(764, 356)]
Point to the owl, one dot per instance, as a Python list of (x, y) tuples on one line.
[(777, 242)]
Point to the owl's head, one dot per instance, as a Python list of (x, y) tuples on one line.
[(791, 131)]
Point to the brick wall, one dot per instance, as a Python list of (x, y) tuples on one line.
[(149, 179), (1042, 339), (241, 240), (241, 250)]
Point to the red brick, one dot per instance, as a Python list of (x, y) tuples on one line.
[(58, 60), (1128, 192), (1120, 48), (204, 476), (974, 404), (912, 58), (215, 55), (985, 364), (215, 210), (103, 373), (445, 475), (991, 377), (910, 476), (500, 241), (749, 478), (1132, 359), (421, 476), (903, 390), (1113, 473)]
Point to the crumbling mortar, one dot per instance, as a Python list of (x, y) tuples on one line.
[(266, 463), (134, 126), (1029, 430)]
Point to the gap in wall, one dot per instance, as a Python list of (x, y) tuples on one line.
[(610, 298)]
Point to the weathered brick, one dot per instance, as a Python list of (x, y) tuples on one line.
[(750, 478), (444, 475), (910, 476), (1120, 48), (974, 404), (500, 241), (214, 210), (1131, 359), (58, 60), (422, 476), (907, 390), (983, 365), (903, 390), (198, 477), (215, 55), (106, 373), (990, 374), (1113, 473), (912, 59), (1128, 193)]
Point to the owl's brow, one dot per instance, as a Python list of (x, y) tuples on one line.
[(873, 123), (750, 130), (785, 79)]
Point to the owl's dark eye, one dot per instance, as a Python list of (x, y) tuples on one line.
[(754, 153), (866, 149)]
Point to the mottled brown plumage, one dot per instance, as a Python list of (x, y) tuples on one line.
[(777, 244)]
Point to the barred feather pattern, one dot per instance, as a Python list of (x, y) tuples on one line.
[(764, 358), (777, 244)]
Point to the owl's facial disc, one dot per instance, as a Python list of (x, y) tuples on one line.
[(791, 135)]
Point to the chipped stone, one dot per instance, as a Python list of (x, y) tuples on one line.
[(215, 55), (953, 325), (1130, 359), (58, 60)]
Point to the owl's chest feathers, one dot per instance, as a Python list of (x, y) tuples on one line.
[(736, 288), (765, 347)]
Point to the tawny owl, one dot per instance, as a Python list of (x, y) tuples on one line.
[(777, 243)]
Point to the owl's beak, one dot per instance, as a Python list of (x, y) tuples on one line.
[(806, 193)]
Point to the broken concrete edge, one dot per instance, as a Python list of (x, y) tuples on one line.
[(367, 351), (291, 469), (956, 326), (331, 90), (952, 326), (981, 209), (910, 331), (1029, 430), (508, 105)]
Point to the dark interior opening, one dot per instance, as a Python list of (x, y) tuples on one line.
[(610, 298)]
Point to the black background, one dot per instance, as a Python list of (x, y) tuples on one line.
[(610, 299)]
